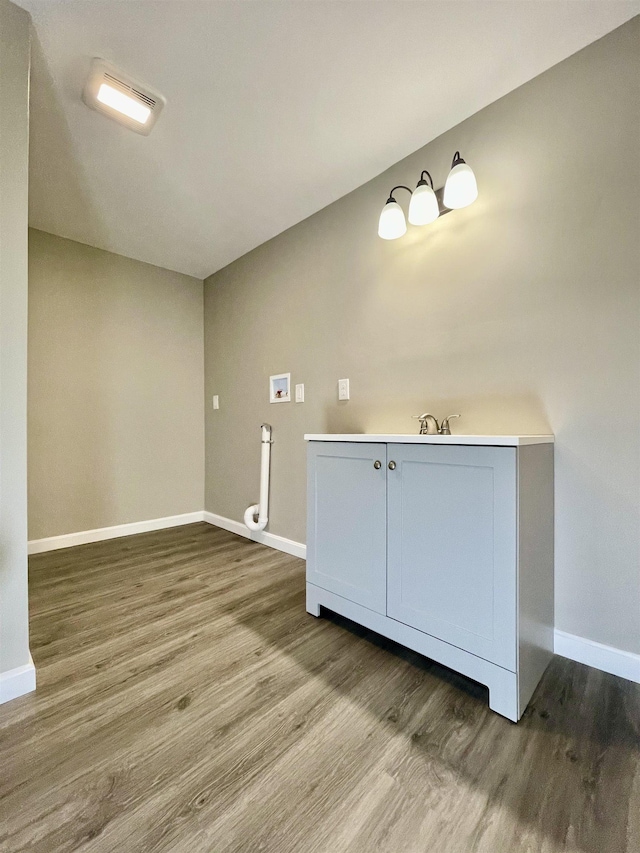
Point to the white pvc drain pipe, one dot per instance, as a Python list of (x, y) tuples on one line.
[(257, 516)]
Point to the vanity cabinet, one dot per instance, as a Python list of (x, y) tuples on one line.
[(446, 548)]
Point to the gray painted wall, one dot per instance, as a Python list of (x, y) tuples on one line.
[(521, 312), (14, 147), (116, 422)]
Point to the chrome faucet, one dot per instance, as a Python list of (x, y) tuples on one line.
[(430, 426)]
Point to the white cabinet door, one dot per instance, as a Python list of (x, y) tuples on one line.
[(347, 521), (452, 545)]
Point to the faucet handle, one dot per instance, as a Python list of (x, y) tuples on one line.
[(444, 426)]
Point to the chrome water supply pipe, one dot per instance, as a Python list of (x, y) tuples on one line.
[(257, 515)]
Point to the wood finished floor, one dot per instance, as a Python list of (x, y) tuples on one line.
[(187, 702)]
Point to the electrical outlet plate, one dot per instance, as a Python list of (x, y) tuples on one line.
[(343, 389)]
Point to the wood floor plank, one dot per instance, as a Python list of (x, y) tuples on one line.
[(186, 702)]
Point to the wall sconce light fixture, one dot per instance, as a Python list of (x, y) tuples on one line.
[(461, 188), (427, 204), (392, 222), (423, 207)]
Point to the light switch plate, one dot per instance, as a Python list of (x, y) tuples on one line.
[(216, 402), (300, 393), (343, 389)]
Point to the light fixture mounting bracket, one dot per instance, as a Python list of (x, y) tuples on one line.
[(439, 198)]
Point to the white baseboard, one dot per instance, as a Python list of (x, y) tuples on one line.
[(280, 543), (16, 682), (68, 540), (606, 658)]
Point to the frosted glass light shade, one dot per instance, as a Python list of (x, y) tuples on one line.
[(461, 188), (392, 222), (423, 207)]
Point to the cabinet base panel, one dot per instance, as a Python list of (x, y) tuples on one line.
[(313, 606), (502, 683)]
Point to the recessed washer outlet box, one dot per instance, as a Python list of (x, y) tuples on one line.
[(129, 102)]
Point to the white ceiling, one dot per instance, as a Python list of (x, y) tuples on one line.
[(274, 109)]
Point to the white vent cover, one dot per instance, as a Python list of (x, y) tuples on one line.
[(121, 98)]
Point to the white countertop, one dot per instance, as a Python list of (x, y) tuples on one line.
[(495, 440)]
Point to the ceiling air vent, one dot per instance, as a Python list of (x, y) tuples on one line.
[(121, 98)]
